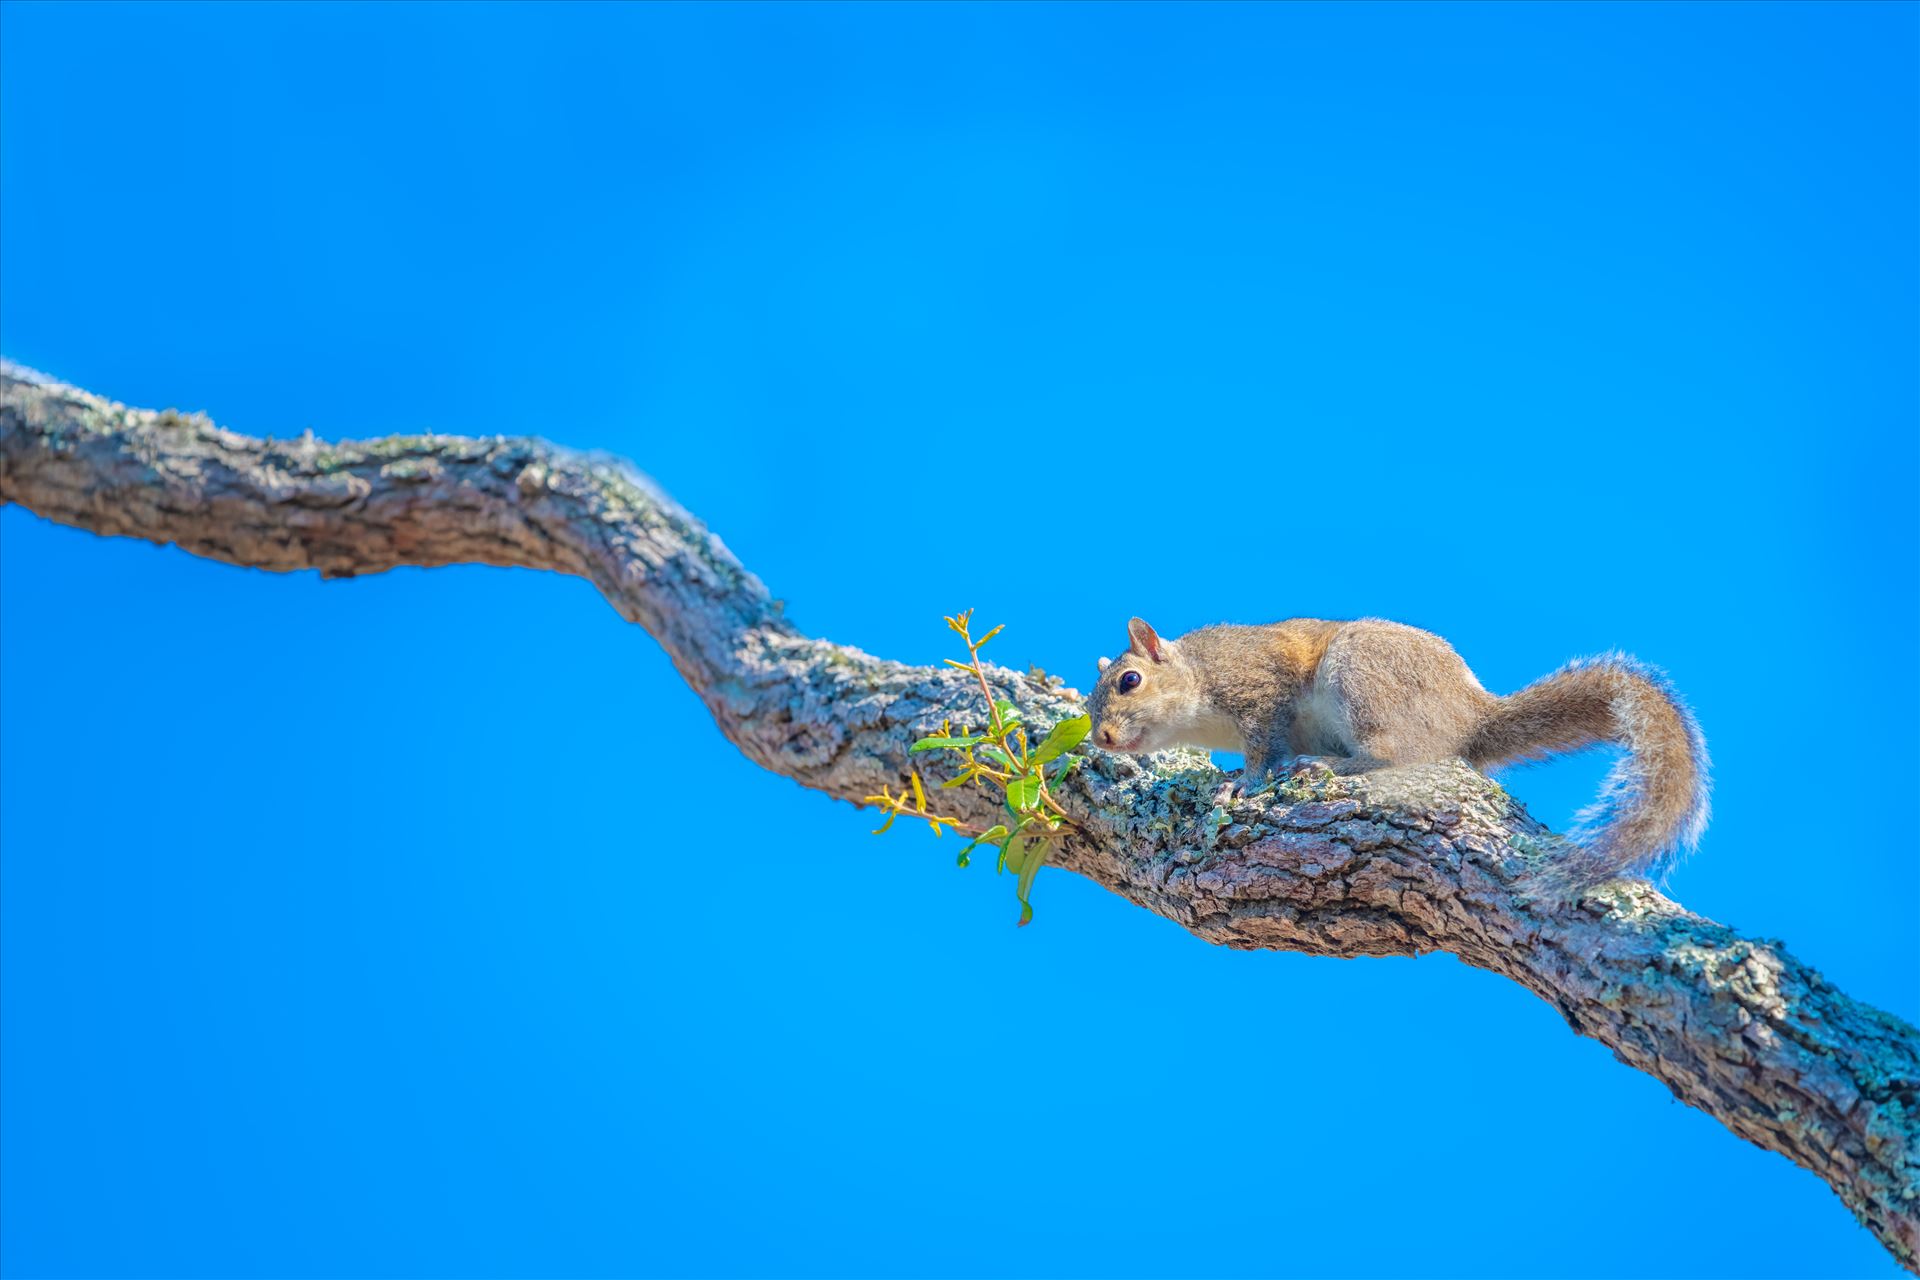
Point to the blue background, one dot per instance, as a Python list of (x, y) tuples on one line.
[(368, 928)]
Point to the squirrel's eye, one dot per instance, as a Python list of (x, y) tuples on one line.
[(1129, 681)]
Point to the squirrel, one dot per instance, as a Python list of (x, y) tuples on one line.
[(1372, 693)]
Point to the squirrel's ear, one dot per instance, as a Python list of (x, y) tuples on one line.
[(1105, 663), (1145, 640)]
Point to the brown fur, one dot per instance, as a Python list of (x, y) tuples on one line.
[(1663, 781), (1371, 693)]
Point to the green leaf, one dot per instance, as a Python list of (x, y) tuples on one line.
[(1067, 766), (998, 756), (1009, 714), (1023, 793), (1036, 857), (1064, 737), (985, 837), (935, 743), (990, 635), (1006, 845)]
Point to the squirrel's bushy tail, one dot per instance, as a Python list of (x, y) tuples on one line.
[(1654, 803)]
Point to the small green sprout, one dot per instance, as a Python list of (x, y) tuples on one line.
[(1002, 756)]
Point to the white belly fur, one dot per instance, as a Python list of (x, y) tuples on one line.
[(1214, 732)]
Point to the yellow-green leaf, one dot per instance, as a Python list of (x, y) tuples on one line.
[(1007, 843), (951, 742), (1063, 738), (1014, 856), (985, 837), (1035, 857)]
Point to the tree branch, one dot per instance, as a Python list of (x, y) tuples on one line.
[(1397, 862)]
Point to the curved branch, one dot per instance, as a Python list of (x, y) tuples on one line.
[(1393, 863)]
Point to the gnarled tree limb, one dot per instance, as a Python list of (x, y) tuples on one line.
[(1393, 863)]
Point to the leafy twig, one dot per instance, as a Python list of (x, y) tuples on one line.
[(1001, 756)]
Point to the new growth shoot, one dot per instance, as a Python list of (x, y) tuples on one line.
[(1002, 758)]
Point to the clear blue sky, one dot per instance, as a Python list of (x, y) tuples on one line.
[(365, 929)]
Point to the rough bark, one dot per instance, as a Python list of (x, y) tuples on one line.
[(1398, 862)]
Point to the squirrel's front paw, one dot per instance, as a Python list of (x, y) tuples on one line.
[(1251, 782)]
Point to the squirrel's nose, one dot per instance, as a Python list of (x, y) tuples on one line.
[(1106, 738)]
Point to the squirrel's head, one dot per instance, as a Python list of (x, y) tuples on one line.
[(1144, 697)]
